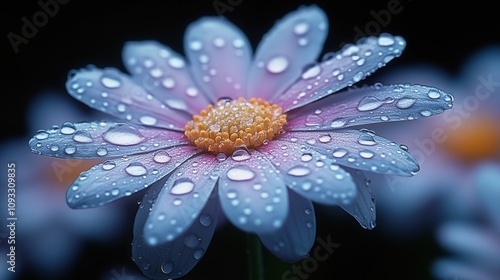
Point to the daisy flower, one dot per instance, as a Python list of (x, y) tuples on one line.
[(260, 136)]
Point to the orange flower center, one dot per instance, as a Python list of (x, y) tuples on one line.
[(476, 139), (237, 124)]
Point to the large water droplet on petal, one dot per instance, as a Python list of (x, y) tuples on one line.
[(434, 94), (110, 81), (366, 140), (385, 41), (240, 173), (192, 240), (136, 169), (301, 28), (161, 157), (369, 103), (405, 103), (240, 155), (299, 171), (339, 152), (167, 267), (311, 72), (182, 186), (82, 137), (68, 128), (123, 136), (277, 64)]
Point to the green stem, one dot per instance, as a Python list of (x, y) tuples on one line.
[(255, 262)]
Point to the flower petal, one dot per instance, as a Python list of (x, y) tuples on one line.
[(116, 178), (181, 199), (253, 196), (102, 139), (293, 43), (447, 268), (163, 73), (372, 104), (310, 173), (486, 178), (295, 238), (176, 258), (113, 92), (363, 206), (350, 65), (219, 54), (361, 150)]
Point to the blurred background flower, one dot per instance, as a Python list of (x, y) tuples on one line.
[(50, 236)]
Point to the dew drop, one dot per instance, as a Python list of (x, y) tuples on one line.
[(299, 171), (70, 149), (306, 157), (426, 113), (198, 253), (366, 154), (41, 135), (123, 136), (108, 165), (240, 173), (195, 45), (366, 140), (358, 77), (182, 186), (405, 103), (110, 81), (136, 169), (240, 155), (161, 157), (148, 120), (311, 72), (192, 240), (68, 128), (385, 41), (301, 28), (337, 123), (369, 103), (101, 151), (434, 94), (277, 64), (313, 120), (325, 138), (206, 220), (339, 152), (82, 137), (176, 62), (167, 267)]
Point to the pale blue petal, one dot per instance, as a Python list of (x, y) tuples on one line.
[(164, 73), (486, 180), (102, 140), (371, 104), (291, 45), (175, 258), (181, 199), (295, 238), (253, 195), (448, 268), (119, 177), (363, 206), (343, 69), (359, 150), (110, 91), (219, 55), (310, 173)]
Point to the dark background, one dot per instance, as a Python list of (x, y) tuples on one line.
[(93, 32)]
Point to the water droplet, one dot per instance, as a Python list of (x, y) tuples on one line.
[(313, 120), (366, 140), (240, 155), (325, 138), (108, 165), (299, 171), (434, 94), (136, 169), (176, 62), (148, 120), (206, 220), (68, 128), (101, 151), (198, 253), (161, 157), (306, 157), (426, 113), (192, 240), (111, 81), (70, 149), (219, 42), (221, 157), (311, 72), (54, 148), (385, 41), (191, 91), (339, 152), (123, 135), (240, 173), (41, 135), (358, 77), (195, 45), (277, 64), (167, 267), (182, 186), (115, 191), (82, 137), (366, 154), (405, 103), (369, 103), (337, 123), (301, 28), (168, 82)]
